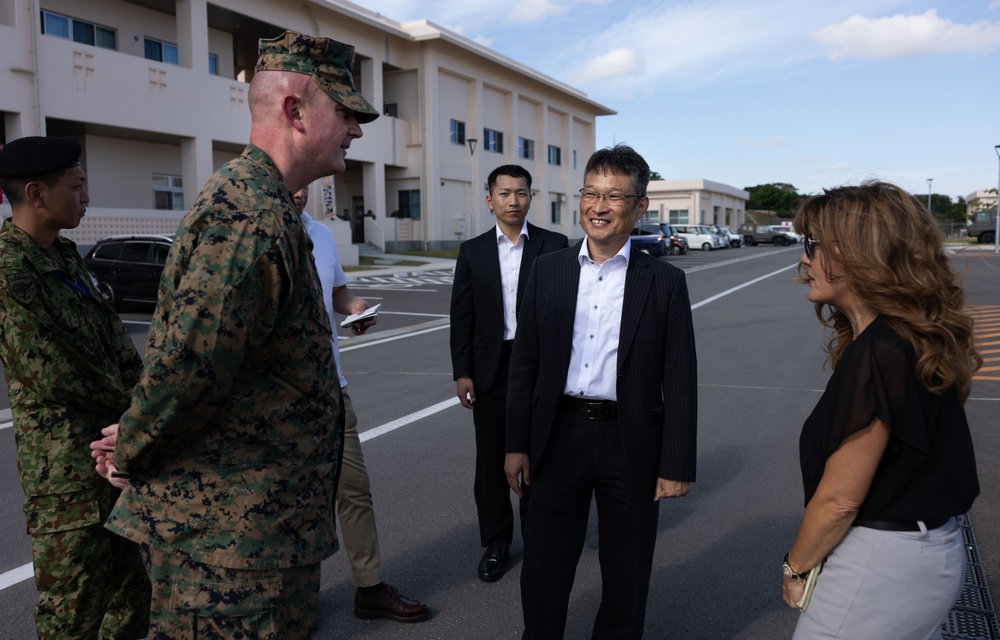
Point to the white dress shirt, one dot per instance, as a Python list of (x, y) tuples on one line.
[(510, 271), (593, 364)]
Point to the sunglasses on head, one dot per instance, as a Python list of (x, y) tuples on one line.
[(809, 244)]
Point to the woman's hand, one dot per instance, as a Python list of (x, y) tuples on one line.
[(792, 590)]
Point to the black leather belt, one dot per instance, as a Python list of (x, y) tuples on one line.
[(899, 525), (593, 409)]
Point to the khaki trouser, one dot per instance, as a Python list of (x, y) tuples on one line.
[(354, 505)]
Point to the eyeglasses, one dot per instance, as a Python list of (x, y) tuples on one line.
[(613, 199), (808, 244)]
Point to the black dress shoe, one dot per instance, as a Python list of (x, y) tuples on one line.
[(493, 561)]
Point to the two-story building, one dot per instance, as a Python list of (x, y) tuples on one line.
[(156, 93)]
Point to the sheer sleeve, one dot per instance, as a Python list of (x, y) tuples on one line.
[(875, 379)]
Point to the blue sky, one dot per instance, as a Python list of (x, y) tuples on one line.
[(810, 92)]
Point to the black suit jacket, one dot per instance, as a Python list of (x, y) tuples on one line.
[(477, 301), (657, 368)]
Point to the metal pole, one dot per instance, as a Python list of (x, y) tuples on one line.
[(996, 230), (929, 181)]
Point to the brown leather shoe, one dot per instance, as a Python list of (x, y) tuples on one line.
[(389, 603)]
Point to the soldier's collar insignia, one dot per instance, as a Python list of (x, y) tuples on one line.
[(21, 287)]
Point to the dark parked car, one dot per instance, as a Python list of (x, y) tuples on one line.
[(673, 243), (648, 240), (128, 268), (678, 244)]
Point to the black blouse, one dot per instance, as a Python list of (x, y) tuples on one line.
[(928, 470)]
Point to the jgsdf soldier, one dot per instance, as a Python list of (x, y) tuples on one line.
[(70, 366), (232, 442)]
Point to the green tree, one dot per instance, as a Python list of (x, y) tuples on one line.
[(655, 175), (953, 212), (780, 197)]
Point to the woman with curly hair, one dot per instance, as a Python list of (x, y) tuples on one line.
[(886, 455)]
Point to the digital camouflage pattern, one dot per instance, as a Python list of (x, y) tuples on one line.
[(230, 604), (233, 438), (70, 366), (329, 62)]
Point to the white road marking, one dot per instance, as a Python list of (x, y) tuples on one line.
[(405, 420), (22, 573), (737, 288)]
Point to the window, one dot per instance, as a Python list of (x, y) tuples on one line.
[(574, 158), (161, 51), (213, 64), (390, 109), (457, 132), (555, 155), (108, 251), (493, 140), (556, 212), (160, 251), (650, 216), (135, 252), (409, 203), (525, 149), (168, 192), (80, 31), (678, 216)]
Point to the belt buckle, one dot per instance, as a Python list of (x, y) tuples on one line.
[(596, 410)]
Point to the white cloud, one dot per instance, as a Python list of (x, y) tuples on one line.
[(691, 44), (766, 143), (527, 11), (905, 36), (614, 64), (995, 5)]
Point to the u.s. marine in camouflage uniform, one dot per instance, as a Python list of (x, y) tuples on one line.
[(70, 367), (232, 442)]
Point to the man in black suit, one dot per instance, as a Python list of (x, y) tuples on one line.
[(602, 402), (485, 299)]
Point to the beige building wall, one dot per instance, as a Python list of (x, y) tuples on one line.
[(979, 200), (697, 202), (138, 118)]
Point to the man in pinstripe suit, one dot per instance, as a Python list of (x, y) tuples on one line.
[(602, 402)]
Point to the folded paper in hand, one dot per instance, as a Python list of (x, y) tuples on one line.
[(367, 314), (811, 578)]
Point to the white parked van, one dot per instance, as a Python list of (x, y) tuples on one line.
[(699, 236)]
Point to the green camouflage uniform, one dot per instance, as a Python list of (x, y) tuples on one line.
[(233, 438), (70, 366)]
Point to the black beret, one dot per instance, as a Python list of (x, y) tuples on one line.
[(37, 155)]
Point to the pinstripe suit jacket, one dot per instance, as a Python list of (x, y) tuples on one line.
[(657, 367)]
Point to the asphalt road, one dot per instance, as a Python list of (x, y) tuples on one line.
[(717, 564)]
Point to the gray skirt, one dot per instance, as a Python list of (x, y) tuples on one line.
[(887, 585)]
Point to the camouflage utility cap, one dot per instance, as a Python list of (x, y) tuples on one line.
[(329, 62)]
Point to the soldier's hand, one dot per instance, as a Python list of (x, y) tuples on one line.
[(466, 392), (103, 453)]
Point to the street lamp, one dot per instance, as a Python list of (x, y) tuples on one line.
[(996, 230), (472, 183), (929, 181)]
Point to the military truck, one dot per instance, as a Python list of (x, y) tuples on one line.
[(776, 234), (984, 225)]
